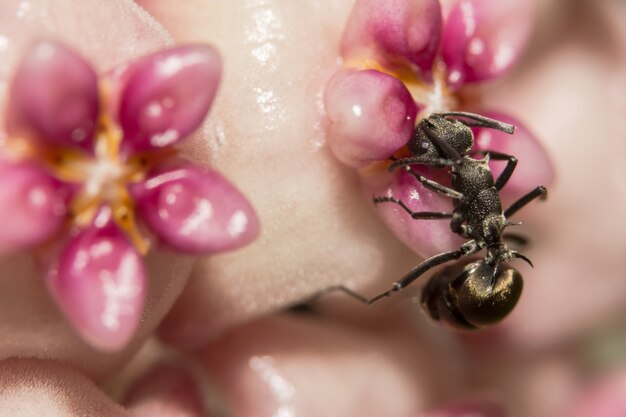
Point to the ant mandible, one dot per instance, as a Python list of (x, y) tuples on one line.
[(479, 292)]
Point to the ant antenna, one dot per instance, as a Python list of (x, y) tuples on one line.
[(481, 121)]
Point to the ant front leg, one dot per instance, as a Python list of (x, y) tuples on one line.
[(424, 215), (433, 185), (506, 173), (420, 160)]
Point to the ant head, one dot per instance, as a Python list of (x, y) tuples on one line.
[(472, 295), (436, 128)]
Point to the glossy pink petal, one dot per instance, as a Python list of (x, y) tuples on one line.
[(425, 237), (534, 166), (372, 115), (99, 282), (482, 39), (32, 205), (196, 210), (394, 31), (166, 96), (54, 98)]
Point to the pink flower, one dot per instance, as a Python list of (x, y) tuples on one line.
[(91, 178), (406, 59)]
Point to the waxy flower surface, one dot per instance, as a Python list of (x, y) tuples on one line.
[(91, 179), (406, 59)]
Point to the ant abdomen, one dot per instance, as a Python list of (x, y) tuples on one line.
[(469, 296)]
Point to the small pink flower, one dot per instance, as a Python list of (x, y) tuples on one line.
[(406, 59), (91, 178)]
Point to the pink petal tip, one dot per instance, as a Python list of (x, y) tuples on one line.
[(534, 166), (196, 210), (99, 282), (482, 39), (167, 95), (425, 237), (395, 31), (372, 115), (54, 98), (32, 205)]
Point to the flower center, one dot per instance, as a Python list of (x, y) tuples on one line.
[(435, 97), (104, 177)]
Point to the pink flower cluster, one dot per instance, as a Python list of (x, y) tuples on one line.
[(91, 179), (406, 59)]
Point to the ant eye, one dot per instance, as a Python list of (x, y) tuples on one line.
[(422, 147)]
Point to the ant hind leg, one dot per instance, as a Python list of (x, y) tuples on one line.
[(407, 279)]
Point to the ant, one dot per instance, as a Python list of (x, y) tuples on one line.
[(475, 293)]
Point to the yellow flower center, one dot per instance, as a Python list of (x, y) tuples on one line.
[(105, 177)]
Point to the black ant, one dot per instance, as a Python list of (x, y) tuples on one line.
[(479, 292)]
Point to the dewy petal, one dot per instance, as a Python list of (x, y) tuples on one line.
[(32, 205), (54, 98), (195, 210), (482, 39), (99, 282), (394, 31), (425, 237), (166, 96), (372, 115), (533, 167)]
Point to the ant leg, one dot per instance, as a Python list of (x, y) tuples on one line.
[(435, 162), (506, 173), (481, 121), (435, 186), (540, 191), (398, 285), (427, 215)]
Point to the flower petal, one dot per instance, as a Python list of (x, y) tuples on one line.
[(32, 205), (99, 282), (372, 116), (425, 237), (195, 210), (482, 39), (534, 166), (54, 98), (395, 31), (166, 96)]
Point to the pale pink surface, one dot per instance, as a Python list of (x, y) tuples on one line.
[(482, 39), (396, 32), (196, 210), (54, 98), (269, 367), (33, 205), (165, 96), (372, 115), (99, 282)]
